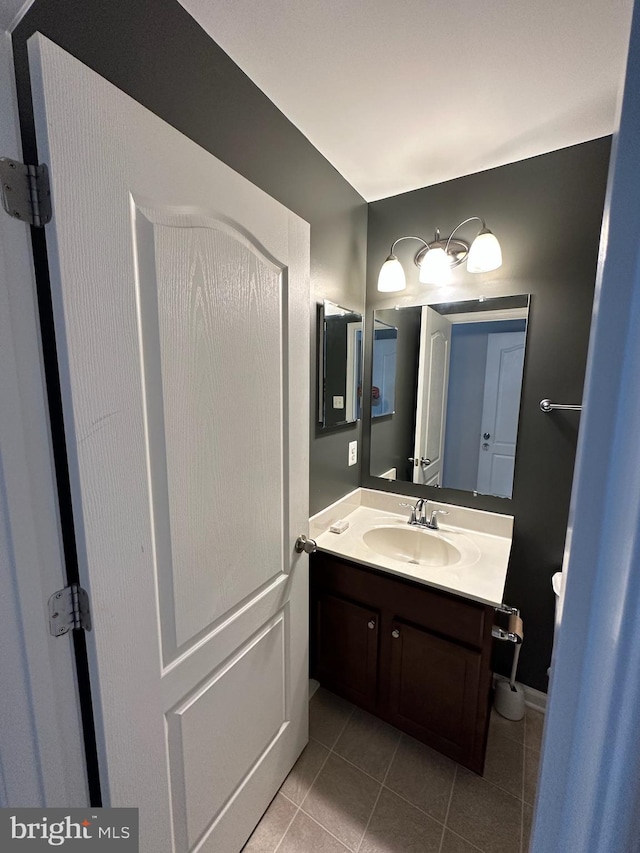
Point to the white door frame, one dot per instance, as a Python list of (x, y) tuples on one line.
[(40, 729), (588, 792)]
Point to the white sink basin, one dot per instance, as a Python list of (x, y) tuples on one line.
[(412, 545), (468, 556)]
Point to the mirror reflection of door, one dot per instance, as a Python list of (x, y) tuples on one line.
[(503, 378), (440, 417), (431, 408), (484, 400)]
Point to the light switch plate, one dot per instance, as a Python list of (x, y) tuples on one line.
[(338, 402), (353, 452)]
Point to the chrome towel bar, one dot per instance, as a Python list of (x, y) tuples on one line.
[(548, 406)]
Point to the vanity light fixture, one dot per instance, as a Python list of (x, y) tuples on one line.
[(437, 258)]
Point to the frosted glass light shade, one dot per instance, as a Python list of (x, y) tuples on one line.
[(485, 253), (391, 277), (435, 267)]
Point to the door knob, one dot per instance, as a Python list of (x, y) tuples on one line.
[(307, 545), (395, 633), (371, 624), (424, 461)]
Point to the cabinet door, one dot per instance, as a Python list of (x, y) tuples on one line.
[(347, 648), (434, 689)]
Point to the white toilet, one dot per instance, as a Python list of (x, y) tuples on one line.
[(556, 583)]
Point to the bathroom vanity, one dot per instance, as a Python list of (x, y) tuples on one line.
[(406, 634)]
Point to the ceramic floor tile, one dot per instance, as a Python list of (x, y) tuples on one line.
[(485, 815), (397, 827), (527, 821), (452, 843), (531, 768), (507, 728), (342, 799), (534, 724), (328, 715), (422, 776), (504, 763), (296, 785), (271, 829), (305, 836), (369, 743)]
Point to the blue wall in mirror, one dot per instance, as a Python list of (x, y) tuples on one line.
[(383, 390)]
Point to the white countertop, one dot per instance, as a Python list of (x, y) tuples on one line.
[(483, 540)]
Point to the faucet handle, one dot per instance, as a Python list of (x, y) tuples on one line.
[(412, 520), (433, 521)]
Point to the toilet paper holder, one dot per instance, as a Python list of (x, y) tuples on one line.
[(508, 624)]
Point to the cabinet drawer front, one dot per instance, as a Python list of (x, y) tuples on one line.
[(434, 688), (440, 612), (347, 647)]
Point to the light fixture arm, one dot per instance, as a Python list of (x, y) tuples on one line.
[(408, 237), (464, 222)]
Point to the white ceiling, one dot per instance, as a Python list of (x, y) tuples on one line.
[(405, 94)]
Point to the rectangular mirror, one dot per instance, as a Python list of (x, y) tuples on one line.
[(458, 382), (340, 365)]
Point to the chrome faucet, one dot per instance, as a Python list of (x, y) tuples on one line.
[(418, 517), (432, 524)]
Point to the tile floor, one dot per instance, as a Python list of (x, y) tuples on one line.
[(362, 786)]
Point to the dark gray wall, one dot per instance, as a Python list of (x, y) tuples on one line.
[(155, 52), (547, 213)]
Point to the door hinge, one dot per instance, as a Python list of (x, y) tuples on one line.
[(26, 193), (68, 609)]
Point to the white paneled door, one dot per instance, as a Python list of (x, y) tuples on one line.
[(500, 411), (181, 302), (431, 404)]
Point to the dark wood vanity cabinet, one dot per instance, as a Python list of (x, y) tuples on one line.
[(347, 648), (414, 656)]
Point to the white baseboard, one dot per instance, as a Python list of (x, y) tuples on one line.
[(535, 698)]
